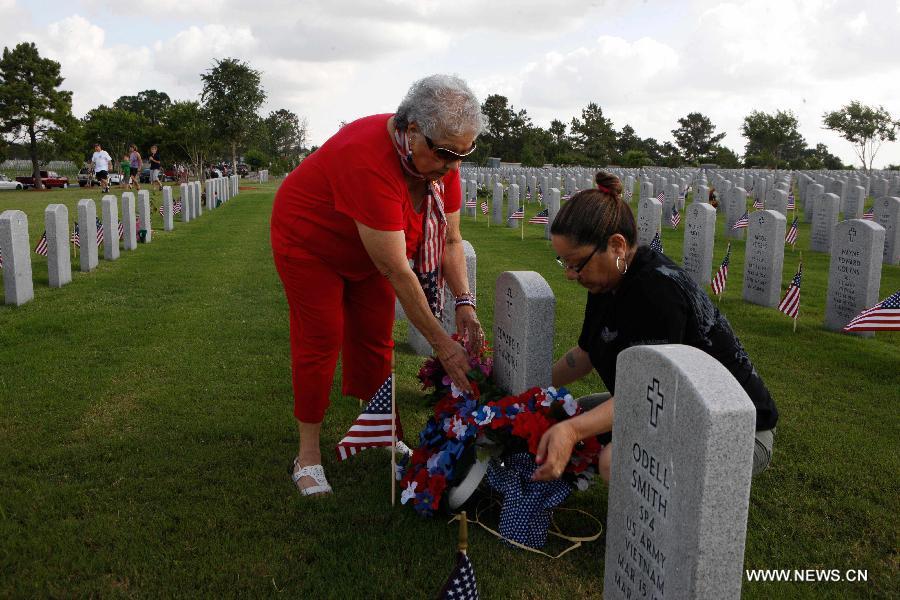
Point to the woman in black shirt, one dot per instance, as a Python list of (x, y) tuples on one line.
[(636, 296)]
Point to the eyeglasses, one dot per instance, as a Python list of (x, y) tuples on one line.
[(448, 155), (578, 268)]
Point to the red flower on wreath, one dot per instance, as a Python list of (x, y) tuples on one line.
[(531, 426)]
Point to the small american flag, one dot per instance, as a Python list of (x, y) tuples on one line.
[(758, 205), (675, 219), (76, 239), (121, 230), (484, 207), (718, 282), (792, 204), (656, 244), (519, 214), (884, 316), (790, 304), (41, 247), (461, 584), (160, 210), (742, 223), (661, 196), (629, 193), (542, 218), (869, 216), (176, 208), (791, 237), (1, 259), (373, 427), (471, 202), (99, 232)]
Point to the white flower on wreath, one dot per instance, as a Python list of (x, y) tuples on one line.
[(455, 391), (459, 428), (570, 405), (409, 493), (489, 414)]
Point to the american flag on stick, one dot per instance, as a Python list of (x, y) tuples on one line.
[(99, 232), (76, 238), (758, 205), (484, 207), (675, 219), (661, 196), (461, 584), (790, 304), (884, 316), (792, 204), (791, 237), (870, 215), (41, 247), (542, 218), (373, 427), (471, 202), (176, 208), (519, 214), (742, 223), (121, 230), (718, 282)]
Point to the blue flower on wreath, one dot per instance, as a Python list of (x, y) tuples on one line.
[(512, 410), (431, 435), (467, 407), (423, 503), (440, 463), (454, 448), (484, 415)]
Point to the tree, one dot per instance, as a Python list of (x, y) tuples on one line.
[(627, 141), (150, 104), (232, 93), (695, 138), (286, 135), (635, 158), (724, 157), (865, 127), (32, 107), (114, 128), (771, 138), (593, 135), (189, 129)]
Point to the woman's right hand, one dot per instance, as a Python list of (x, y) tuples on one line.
[(456, 362), (554, 451)]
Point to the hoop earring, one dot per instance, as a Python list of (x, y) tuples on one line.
[(618, 268)]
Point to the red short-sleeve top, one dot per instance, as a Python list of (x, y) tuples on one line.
[(355, 176)]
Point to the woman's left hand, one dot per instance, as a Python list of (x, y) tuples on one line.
[(469, 328)]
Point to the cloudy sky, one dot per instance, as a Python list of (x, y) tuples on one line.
[(646, 63)]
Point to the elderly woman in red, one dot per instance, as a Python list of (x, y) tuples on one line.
[(382, 190)]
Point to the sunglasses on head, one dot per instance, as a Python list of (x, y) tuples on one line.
[(445, 154)]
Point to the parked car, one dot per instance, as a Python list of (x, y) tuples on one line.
[(7, 184), (86, 176), (49, 179)]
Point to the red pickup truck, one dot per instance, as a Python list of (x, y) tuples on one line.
[(49, 179)]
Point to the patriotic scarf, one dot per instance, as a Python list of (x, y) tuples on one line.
[(430, 254)]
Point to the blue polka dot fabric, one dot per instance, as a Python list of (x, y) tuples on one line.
[(525, 514)]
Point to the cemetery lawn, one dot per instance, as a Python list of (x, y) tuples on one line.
[(146, 433)]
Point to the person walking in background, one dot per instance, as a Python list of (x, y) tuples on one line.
[(155, 168), (125, 166), (100, 162), (135, 162)]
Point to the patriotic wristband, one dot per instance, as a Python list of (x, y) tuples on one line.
[(466, 299)]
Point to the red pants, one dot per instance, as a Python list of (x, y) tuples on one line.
[(330, 314)]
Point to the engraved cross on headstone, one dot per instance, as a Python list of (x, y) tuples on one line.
[(852, 233), (654, 405)]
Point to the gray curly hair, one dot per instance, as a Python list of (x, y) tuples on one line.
[(440, 105)]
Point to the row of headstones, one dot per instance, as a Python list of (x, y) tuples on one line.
[(15, 245), (264, 176), (679, 489)]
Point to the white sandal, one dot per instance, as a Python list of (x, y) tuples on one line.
[(316, 472)]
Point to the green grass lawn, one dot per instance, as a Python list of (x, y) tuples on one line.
[(146, 433)]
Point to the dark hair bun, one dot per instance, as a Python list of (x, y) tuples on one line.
[(609, 181)]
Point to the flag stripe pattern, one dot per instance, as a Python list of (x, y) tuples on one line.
[(373, 427), (792, 204), (542, 218), (791, 237), (869, 216), (99, 232), (461, 584), (519, 214), (718, 282), (471, 202), (675, 219), (741, 223), (41, 247), (484, 207), (76, 238), (884, 316), (790, 304)]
